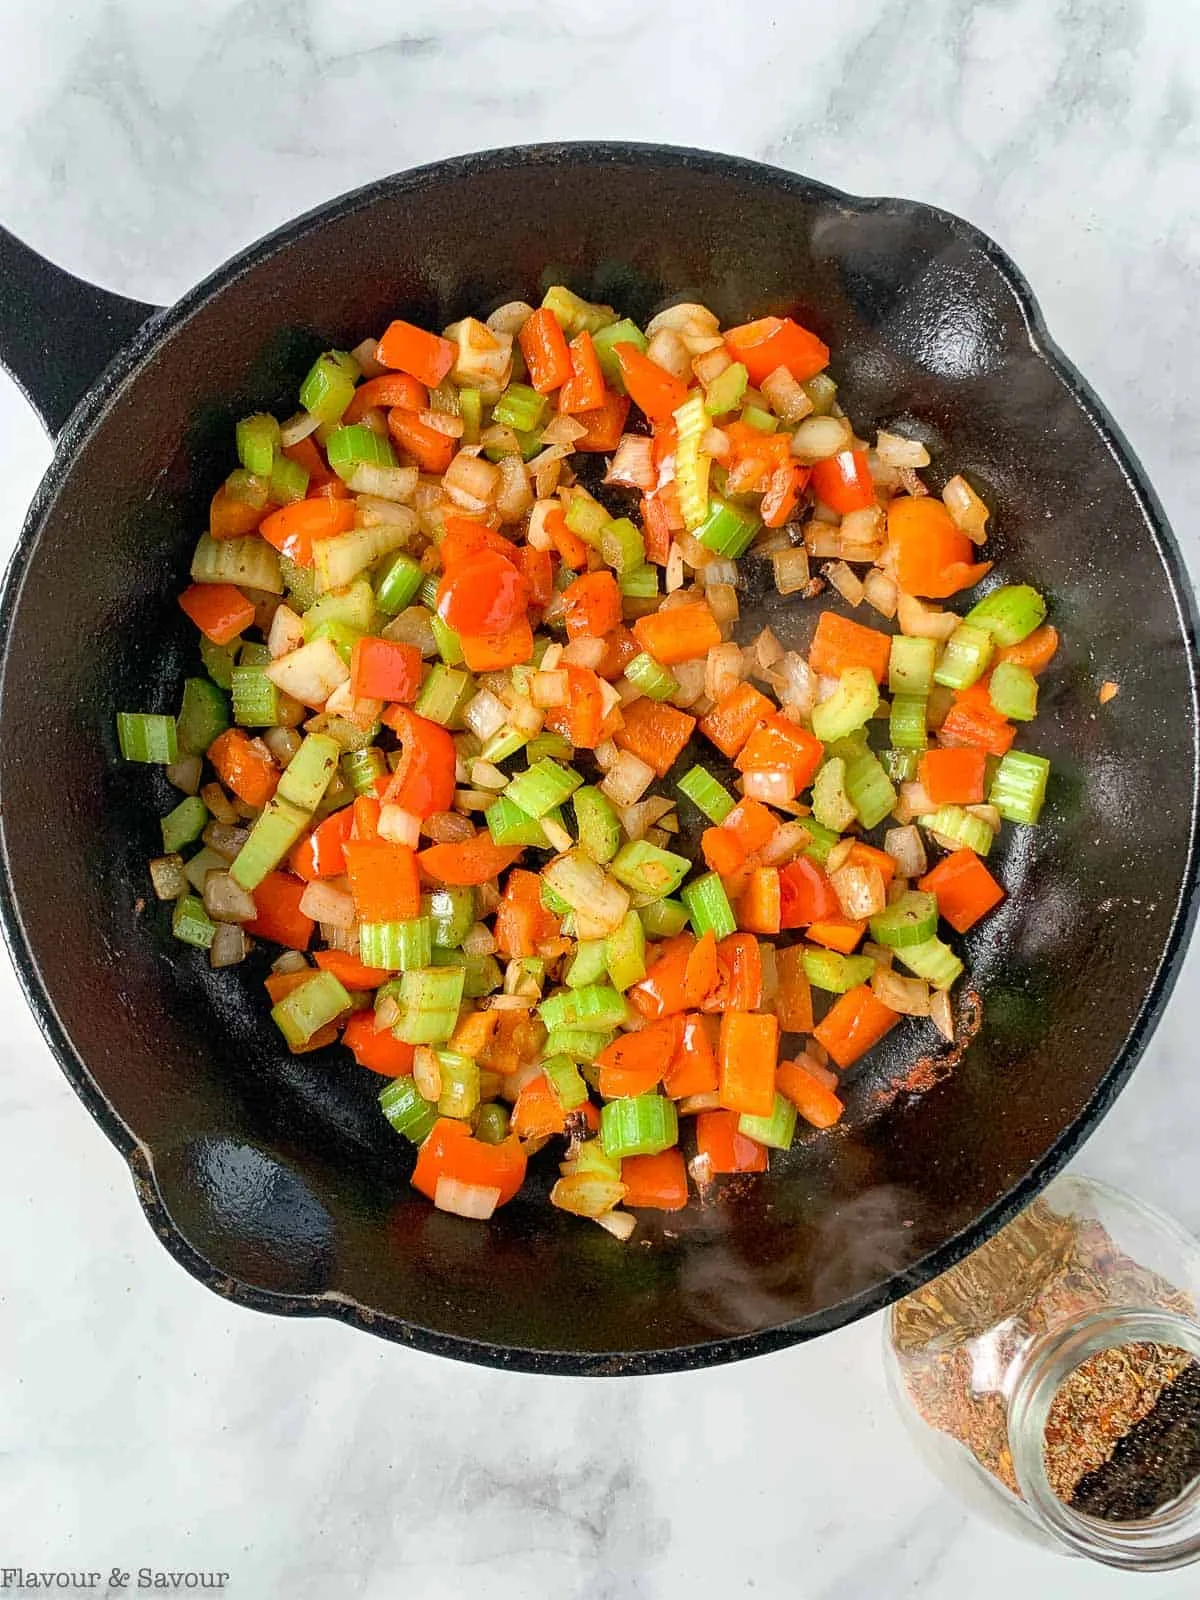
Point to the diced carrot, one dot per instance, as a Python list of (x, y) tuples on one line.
[(655, 732), (734, 718), (432, 450), (571, 548), (473, 861), (680, 634), (464, 537), (522, 921), (656, 529), (292, 529), (968, 727), (278, 917), (782, 745), (536, 567), (231, 518), (220, 610), (965, 889), (383, 880), (839, 643), (662, 991), (837, 933), (788, 482), (451, 1151), (425, 356), (746, 1060), (953, 776), (722, 852), (757, 908), (634, 1062), (805, 894), (245, 766), (349, 970), (388, 390), (777, 342), (793, 1002), (727, 1150), (494, 651), (656, 1182), (693, 1068), (752, 825), (592, 605), (655, 391), (544, 346), (701, 974), (815, 1103), (739, 975), (857, 1021), (584, 390), (538, 1111), (379, 1050), (584, 710), (319, 854), (1036, 652), (932, 557), (385, 669)]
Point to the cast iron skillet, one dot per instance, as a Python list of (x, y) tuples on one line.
[(274, 1179)]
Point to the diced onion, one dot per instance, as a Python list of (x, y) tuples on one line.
[(674, 572), (910, 482), (474, 1200), (818, 438), (627, 780), (471, 481), (479, 941), (772, 785), (723, 670), (636, 819), (860, 535), (547, 689), (296, 428), (813, 1060), (847, 583), (632, 464), (913, 802), (309, 674), (342, 703), (687, 316), (880, 592), (584, 652), (226, 901), (606, 755), (907, 849), (922, 621), (786, 398), (287, 632), (325, 903), (788, 840), (343, 939), (514, 497), (219, 803), (229, 946), (619, 1223), (909, 996), (967, 510), (710, 364), (791, 569), (185, 774), (668, 350), (722, 602), (413, 627), (399, 826), (690, 676), (896, 451), (562, 430), (486, 775), (510, 318), (289, 961), (485, 714), (941, 1014), (369, 363), (860, 891)]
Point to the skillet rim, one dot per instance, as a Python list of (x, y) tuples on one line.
[(124, 369)]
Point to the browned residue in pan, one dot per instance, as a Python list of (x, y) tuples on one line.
[(926, 1071)]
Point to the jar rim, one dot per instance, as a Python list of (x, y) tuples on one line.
[(1169, 1537)]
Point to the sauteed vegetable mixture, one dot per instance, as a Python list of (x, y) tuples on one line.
[(547, 842)]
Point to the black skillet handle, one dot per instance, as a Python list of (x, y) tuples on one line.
[(57, 333)]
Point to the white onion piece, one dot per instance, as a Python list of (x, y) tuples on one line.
[(562, 429), (479, 941), (894, 450), (668, 351), (474, 1200), (907, 849), (383, 483), (606, 755), (723, 670), (619, 1223), (514, 496), (584, 652), (485, 714), (967, 510), (627, 780), (296, 428), (229, 946), (861, 534), (325, 903), (399, 826), (941, 1014), (369, 363), (548, 689), (789, 839), (860, 891), (909, 996), (786, 398), (286, 633), (289, 961), (847, 583), (791, 569), (880, 592), (309, 674), (413, 627), (818, 438), (471, 481), (509, 318), (923, 621), (674, 573), (226, 901), (185, 774), (685, 316), (632, 464), (822, 539)]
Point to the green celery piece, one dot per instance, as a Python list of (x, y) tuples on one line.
[(966, 657), (492, 1120), (933, 960), (639, 583), (396, 586), (184, 824), (588, 965), (542, 787), (850, 707), (638, 1125), (289, 481), (307, 776), (218, 662), (508, 824), (756, 417), (654, 681), (255, 698), (622, 545), (429, 1001), (776, 1131), (909, 920), (257, 442), (830, 802), (249, 562), (598, 824), (521, 408), (606, 341), (711, 798), (1009, 613), (481, 974), (963, 827), (361, 768), (625, 953), (581, 1044), (271, 837), (821, 840), (311, 1006), (448, 643), (728, 529), (596, 1006), (725, 392), (708, 906), (1013, 690), (407, 1111), (1018, 790), (191, 924), (352, 607), (663, 919), (301, 584), (451, 912), (203, 715), (563, 1077), (460, 1085), (911, 664), (648, 870), (347, 447), (329, 387), (575, 315), (147, 738), (828, 969)]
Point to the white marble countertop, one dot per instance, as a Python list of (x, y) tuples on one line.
[(143, 1422)]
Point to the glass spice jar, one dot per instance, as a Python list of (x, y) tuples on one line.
[(1052, 1378)]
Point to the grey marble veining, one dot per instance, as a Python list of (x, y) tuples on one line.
[(142, 1421)]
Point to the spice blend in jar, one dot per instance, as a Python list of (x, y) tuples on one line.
[(960, 1341)]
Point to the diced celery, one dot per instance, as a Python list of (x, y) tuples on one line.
[(147, 738), (310, 1007), (851, 706), (625, 953), (184, 824), (203, 715), (776, 1131), (598, 824), (271, 837), (828, 969), (638, 1125), (309, 771), (708, 906), (728, 529)]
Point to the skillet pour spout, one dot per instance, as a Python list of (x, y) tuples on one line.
[(273, 1178)]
